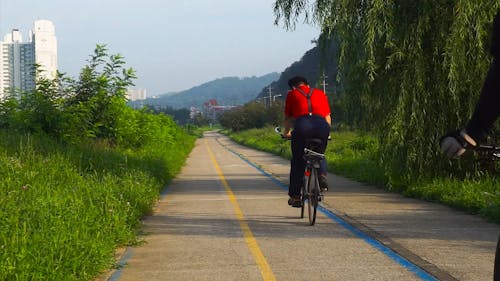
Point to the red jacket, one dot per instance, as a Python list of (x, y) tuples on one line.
[(296, 104)]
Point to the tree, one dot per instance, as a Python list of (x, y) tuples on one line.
[(409, 69), (99, 96), (252, 115), (90, 107)]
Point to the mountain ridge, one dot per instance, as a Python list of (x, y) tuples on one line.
[(231, 90), (318, 65)]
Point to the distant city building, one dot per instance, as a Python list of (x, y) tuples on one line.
[(16, 63), (212, 109), (17, 58), (136, 94), (193, 111)]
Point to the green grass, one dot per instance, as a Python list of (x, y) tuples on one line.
[(355, 156), (478, 195), (348, 154), (64, 209)]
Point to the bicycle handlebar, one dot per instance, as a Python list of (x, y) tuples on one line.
[(489, 149), (277, 130)]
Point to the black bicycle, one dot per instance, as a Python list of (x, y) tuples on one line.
[(310, 191), (488, 154)]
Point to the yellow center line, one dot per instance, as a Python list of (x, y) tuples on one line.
[(265, 269)]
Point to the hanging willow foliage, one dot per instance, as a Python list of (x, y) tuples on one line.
[(410, 70)]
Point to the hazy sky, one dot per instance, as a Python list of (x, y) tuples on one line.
[(173, 45)]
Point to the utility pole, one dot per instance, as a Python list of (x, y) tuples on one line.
[(270, 95), (324, 82)]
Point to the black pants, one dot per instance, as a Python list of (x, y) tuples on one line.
[(305, 127), (488, 107)]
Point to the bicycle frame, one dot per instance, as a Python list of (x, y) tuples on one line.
[(310, 191), (488, 154), (493, 151)]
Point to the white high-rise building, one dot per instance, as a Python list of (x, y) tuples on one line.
[(17, 58), (43, 36), (136, 94)]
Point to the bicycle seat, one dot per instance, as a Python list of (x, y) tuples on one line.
[(314, 144)]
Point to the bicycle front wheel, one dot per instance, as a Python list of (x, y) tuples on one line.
[(312, 198)]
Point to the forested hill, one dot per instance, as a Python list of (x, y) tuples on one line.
[(318, 61), (227, 91)]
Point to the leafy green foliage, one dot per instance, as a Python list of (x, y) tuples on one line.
[(264, 139), (100, 94), (38, 110), (200, 120), (64, 208), (252, 115), (79, 169), (181, 116), (87, 108), (409, 71)]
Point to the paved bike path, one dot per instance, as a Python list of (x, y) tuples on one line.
[(222, 219)]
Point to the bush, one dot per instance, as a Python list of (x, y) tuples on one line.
[(252, 115), (79, 169)]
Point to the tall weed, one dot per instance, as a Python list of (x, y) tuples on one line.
[(65, 208)]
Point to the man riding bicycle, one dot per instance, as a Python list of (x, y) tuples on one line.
[(486, 112), (308, 112), (487, 109)]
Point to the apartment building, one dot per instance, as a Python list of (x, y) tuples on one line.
[(17, 58), (136, 94)]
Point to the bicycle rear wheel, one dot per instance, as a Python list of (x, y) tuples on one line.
[(312, 196)]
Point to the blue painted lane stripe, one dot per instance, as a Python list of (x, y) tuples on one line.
[(422, 274), (123, 261), (379, 246), (128, 252)]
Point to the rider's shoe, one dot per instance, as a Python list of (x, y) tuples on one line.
[(321, 197), (295, 201), (323, 183)]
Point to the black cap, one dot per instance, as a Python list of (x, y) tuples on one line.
[(296, 81)]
